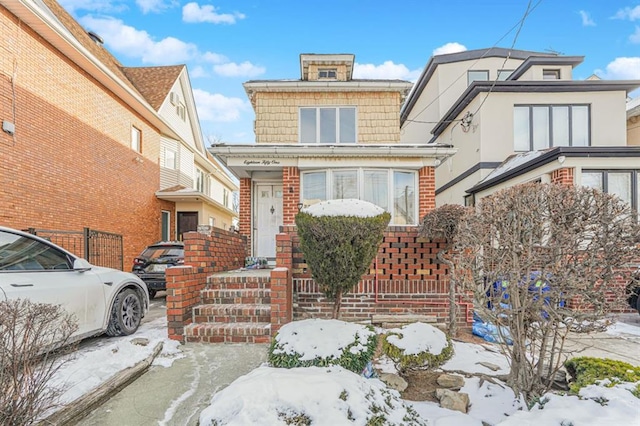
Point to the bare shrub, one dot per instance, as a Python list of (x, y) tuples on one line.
[(32, 336), (539, 259), (442, 223)]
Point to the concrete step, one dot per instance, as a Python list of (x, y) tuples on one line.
[(236, 313), (214, 296), (238, 282), (243, 332)]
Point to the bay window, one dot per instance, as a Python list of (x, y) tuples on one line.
[(392, 190)]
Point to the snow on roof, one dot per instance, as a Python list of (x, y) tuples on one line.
[(513, 162), (346, 207), (330, 337)]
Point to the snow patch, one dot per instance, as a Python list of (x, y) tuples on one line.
[(346, 207)]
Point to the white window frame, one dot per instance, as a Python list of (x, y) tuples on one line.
[(136, 139), (170, 164), (200, 180), (360, 188), (318, 123), (327, 73), (225, 197)]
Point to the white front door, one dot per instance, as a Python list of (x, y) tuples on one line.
[(268, 219)]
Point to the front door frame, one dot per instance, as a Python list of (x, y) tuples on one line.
[(254, 212), (179, 230)]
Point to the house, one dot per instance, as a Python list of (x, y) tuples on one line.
[(322, 136), (89, 143), (518, 116)]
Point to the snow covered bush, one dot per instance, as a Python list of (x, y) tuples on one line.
[(586, 371), (334, 342), (417, 345), (339, 239), (275, 396)]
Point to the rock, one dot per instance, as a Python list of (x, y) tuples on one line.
[(140, 341), (489, 365), (394, 381), (450, 381), (458, 401)]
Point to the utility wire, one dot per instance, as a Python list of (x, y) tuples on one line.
[(519, 24)]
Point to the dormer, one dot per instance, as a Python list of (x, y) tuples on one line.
[(326, 67)]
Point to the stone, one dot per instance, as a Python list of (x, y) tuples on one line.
[(489, 365), (140, 341), (450, 381), (394, 381), (458, 401)]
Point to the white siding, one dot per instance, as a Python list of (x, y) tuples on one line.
[(186, 160), (169, 177), (169, 112)]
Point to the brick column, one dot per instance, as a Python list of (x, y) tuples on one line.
[(284, 251), (426, 190), (281, 298), (245, 210), (563, 176), (291, 194)]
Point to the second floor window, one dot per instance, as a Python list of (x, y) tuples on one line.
[(328, 125), (200, 181), (475, 75), (537, 127), (136, 139), (225, 197), (169, 159)]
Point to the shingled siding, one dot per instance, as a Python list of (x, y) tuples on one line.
[(405, 278), (204, 255), (69, 164)]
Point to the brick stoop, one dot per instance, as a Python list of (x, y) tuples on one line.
[(233, 309)]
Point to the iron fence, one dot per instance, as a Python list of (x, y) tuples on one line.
[(98, 247)]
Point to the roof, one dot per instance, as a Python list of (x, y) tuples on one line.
[(154, 83), (468, 55), (520, 164), (542, 86)]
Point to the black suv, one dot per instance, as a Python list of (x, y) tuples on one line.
[(150, 266)]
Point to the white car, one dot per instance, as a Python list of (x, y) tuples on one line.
[(103, 300)]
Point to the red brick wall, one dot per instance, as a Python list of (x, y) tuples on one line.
[(204, 255), (245, 209), (563, 176), (427, 190), (409, 280), (291, 194), (69, 164)]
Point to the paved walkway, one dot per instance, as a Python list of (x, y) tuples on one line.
[(176, 395)]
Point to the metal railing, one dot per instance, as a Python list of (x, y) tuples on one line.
[(98, 247)]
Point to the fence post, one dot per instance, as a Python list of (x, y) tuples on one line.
[(87, 250)]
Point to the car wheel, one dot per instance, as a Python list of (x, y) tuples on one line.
[(152, 293), (126, 314)]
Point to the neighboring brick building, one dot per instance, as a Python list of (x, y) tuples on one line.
[(81, 144)]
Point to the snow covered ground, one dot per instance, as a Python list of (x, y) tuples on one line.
[(333, 395)]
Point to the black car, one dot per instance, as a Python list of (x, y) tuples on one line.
[(150, 266)]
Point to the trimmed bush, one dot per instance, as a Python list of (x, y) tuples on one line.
[(339, 248), (586, 371), (399, 345), (286, 352)]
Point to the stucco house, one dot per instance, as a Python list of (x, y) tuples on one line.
[(88, 142), (518, 116)]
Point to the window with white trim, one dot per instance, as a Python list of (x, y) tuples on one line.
[(200, 180), (327, 73), (537, 127), (393, 190), (169, 159), (623, 183), (327, 125), (136, 139), (225, 197)]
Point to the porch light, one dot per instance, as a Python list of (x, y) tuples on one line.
[(300, 205)]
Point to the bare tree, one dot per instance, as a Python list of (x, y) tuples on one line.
[(541, 258), (32, 336), (442, 223)]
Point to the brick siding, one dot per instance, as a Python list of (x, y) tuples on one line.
[(563, 176), (69, 164)]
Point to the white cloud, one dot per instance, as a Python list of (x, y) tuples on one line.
[(217, 107), (198, 72), (586, 19), (192, 12), (131, 42), (155, 6), (214, 58), (387, 70), (623, 68), (635, 37), (245, 69), (628, 13), (93, 5), (449, 48)]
